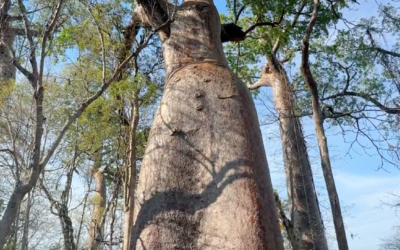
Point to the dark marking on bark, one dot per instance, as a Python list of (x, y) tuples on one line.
[(232, 32), (159, 16)]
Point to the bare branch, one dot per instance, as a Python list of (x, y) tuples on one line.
[(239, 13), (46, 35), (377, 48), (305, 67), (21, 32), (273, 24), (367, 97), (264, 81)]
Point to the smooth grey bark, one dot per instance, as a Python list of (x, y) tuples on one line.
[(204, 181), (305, 229)]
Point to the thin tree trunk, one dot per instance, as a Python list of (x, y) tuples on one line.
[(130, 173), (10, 213), (25, 235), (306, 222), (66, 225), (204, 181), (60, 209), (327, 170), (322, 141), (113, 212), (16, 226), (96, 233), (78, 236)]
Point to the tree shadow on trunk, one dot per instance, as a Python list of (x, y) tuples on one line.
[(186, 204)]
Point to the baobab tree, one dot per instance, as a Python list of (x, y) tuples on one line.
[(204, 181)]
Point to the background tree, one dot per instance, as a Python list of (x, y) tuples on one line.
[(35, 75), (278, 26)]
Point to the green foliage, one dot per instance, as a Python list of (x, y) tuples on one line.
[(286, 34)]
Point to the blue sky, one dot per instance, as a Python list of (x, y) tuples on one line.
[(360, 186)]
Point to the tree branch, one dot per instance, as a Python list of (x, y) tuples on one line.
[(101, 38), (21, 32), (32, 59), (84, 105), (305, 66), (230, 32), (292, 24), (239, 13), (155, 13), (264, 81), (365, 97), (377, 48)]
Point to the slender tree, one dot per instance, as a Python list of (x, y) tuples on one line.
[(319, 129), (25, 236)]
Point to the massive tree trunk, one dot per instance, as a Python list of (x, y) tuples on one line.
[(306, 230), (319, 129), (204, 182), (96, 233)]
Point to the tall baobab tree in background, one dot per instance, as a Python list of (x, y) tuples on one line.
[(304, 228), (204, 182)]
